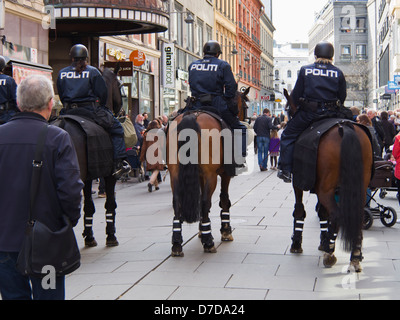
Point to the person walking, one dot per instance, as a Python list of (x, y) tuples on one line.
[(8, 94), (320, 91), (262, 128), (58, 194)]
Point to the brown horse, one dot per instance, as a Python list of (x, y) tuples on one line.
[(344, 167), (194, 182)]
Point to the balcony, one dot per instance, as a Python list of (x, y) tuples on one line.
[(112, 17)]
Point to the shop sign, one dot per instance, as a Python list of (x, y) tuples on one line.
[(137, 57), (168, 65), (116, 53), (20, 73), (126, 67)]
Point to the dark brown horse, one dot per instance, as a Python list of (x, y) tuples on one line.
[(193, 182), (344, 166), (79, 138)]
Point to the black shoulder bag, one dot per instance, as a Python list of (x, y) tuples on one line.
[(42, 246)]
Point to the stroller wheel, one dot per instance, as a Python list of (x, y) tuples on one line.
[(368, 219), (382, 194), (388, 217)]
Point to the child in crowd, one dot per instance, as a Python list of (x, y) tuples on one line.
[(274, 146)]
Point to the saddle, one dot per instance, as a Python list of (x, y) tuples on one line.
[(306, 151), (99, 146)]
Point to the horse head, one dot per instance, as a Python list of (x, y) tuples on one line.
[(290, 104), (241, 101)]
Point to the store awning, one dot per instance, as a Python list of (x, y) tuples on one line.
[(104, 17), (19, 69)]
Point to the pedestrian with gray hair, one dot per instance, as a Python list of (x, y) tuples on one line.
[(58, 193)]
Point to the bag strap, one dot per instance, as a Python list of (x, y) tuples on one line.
[(37, 164)]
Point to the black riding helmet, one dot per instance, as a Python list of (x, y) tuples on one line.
[(212, 47), (78, 51), (324, 50)]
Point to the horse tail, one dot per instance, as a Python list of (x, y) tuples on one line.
[(189, 193), (352, 197)]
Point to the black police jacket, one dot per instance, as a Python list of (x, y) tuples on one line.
[(87, 86), (320, 83), (8, 90), (213, 76)]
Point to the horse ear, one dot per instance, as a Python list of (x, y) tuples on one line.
[(286, 93), (246, 92)]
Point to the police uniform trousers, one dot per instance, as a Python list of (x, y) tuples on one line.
[(295, 127)]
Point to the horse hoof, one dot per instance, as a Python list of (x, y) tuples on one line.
[(226, 237), (296, 248), (111, 241), (210, 250), (176, 251), (90, 242), (177, 254), (329, 260)]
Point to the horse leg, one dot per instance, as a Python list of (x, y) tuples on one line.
[(207, 239), (299, 214), (356, 256), (177, 240), (225, 204), (324, 223), (89, 210), (328, 202), (110, 206)]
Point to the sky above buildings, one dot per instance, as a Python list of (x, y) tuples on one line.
[(294, 18)]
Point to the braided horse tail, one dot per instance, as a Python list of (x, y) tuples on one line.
[(188, 188)]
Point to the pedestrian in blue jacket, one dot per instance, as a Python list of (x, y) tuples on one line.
[(59, 191)]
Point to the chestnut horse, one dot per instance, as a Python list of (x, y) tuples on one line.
[(344, 167), (194, 182)]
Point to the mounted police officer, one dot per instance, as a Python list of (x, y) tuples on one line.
[(8, 94), (83, 91), (213, 84), (320, 91)]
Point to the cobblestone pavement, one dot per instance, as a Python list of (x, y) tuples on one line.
[(257, 265)]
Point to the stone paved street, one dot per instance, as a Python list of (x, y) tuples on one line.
[(256, 266)]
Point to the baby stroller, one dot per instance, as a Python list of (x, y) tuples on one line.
[(134, 161), (383, 178)]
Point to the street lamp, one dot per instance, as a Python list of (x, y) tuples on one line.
[(189, 18)]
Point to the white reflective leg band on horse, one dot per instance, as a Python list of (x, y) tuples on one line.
[(298, 225), (109, 217), (205, 228), (225, 217), (88, 222), (177, 227), (323, 226)]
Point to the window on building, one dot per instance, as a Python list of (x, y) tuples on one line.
[(178, 35), (276, 74), (346, 52), (190, 34), (361, 25), (361, 51), (289, 73), (200, 40)]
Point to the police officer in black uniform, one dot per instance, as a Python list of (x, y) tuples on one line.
[(8, 94), (213, 84), (82, 90), (320, 91)]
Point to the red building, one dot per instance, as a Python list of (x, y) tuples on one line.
[(248, 62)]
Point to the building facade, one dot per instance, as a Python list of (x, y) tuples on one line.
[(248, 59), (24, 39), (267, 58)]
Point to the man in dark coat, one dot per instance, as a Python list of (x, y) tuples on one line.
[(59, 191)]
